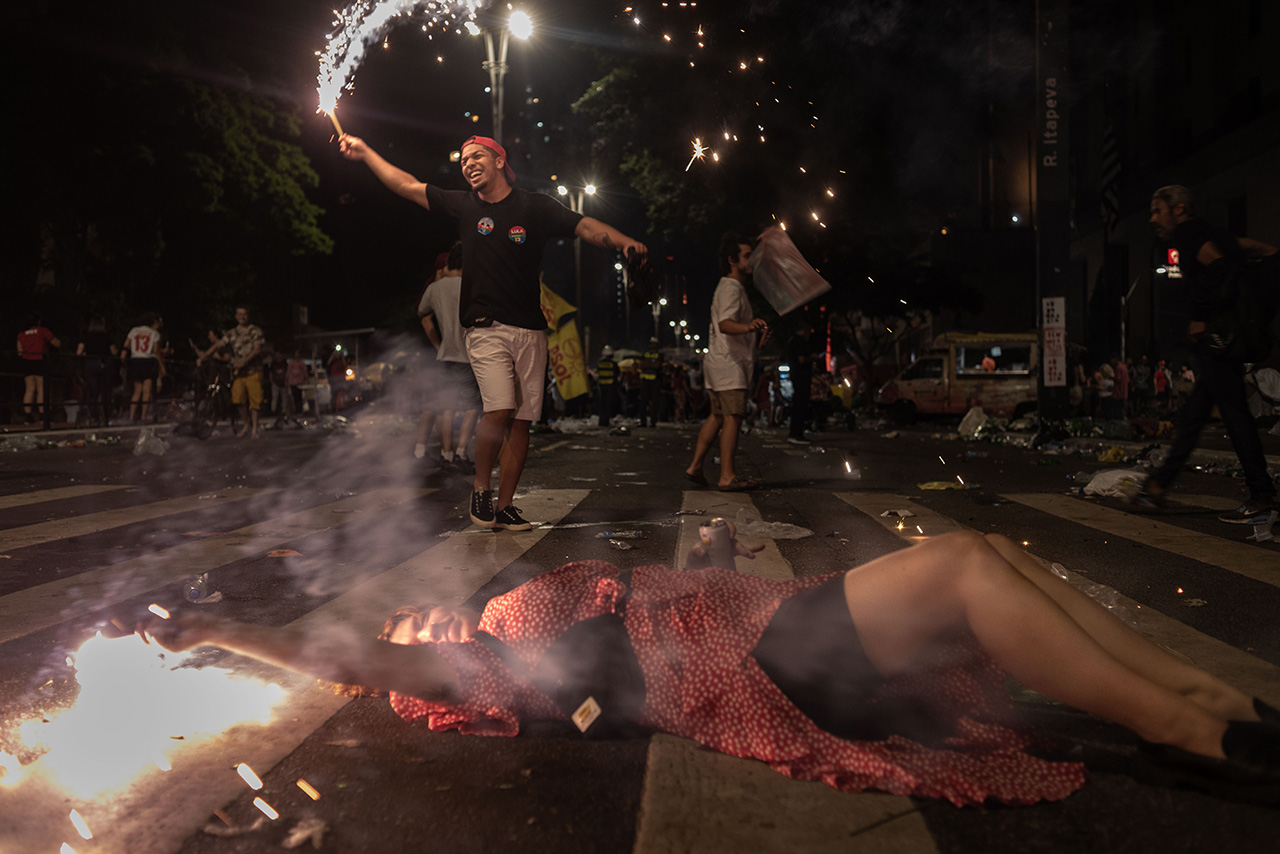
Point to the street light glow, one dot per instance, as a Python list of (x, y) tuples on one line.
[(472, 28), (562, 190), (591, 189), (520, 24)]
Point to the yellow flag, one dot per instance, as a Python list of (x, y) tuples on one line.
[(564, 353), (554, 307)]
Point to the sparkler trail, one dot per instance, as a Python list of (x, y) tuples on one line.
[(363, 24)]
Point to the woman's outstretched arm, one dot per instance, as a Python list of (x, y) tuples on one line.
[(418, 671)]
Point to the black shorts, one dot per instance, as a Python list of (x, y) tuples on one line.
[(33, 367), (143, 369), (812, 652)]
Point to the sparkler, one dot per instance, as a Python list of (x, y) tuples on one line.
[(364, 23), (143, 700), (699, 151)]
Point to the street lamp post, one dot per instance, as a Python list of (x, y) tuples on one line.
[(576, 198), (657, 310), (518, 25)]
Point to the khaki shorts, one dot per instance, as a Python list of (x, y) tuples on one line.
[(247, 387), (732, 402), (510, 364)]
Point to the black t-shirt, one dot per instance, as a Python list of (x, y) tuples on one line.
[(800, 356), (502, 247), (1188, 238)]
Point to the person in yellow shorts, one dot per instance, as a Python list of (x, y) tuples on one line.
[(245, 341)]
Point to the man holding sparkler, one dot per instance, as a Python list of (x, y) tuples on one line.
[(503, 232)]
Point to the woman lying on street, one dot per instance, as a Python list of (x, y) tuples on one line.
[(889, 677)]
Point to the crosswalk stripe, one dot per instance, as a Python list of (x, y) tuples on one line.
[(1261, 563), (39, 607), (711, 503), (475, 555), (158, 811), (920, 524), (1239, 668), (697, 800), (22, 499), (92, 523)]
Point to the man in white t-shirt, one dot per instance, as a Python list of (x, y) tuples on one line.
[(727, 365), (454, 387)]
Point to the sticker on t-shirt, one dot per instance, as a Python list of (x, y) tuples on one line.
[(485, 225), (516, 234)]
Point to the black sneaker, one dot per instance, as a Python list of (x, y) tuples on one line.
[(1254, 512), (482, 509), (463, 465), (509, 518)]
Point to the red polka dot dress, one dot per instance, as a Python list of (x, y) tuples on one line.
[(693, 633)]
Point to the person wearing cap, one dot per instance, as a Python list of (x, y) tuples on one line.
[(650, 384), (503, 232), (606, 387)]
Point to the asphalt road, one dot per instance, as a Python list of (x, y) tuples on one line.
[(323, 528)]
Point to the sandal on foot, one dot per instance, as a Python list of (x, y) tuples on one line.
[(697, 477), (739, 484)]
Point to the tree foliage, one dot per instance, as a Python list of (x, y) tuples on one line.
[(145, 180)]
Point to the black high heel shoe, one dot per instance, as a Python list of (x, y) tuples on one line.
[(1250, 773), (1268, 714)]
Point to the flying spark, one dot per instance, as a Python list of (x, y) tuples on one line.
[(699, 151), (81, 827), (267, 810), (246, 774)]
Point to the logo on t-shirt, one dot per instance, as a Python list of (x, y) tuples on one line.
[(485, 225), (516, 234)]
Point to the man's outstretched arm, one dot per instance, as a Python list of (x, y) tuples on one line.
[(396, 179), (606, 236)]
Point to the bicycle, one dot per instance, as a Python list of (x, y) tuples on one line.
[(213, 402)]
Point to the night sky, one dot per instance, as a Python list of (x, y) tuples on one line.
[(883, 102)]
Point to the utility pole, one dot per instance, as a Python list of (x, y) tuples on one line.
[(1052, 215)]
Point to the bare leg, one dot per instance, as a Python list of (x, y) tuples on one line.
[(446, 432), (1126, 645), (490, 432), (466, 431), (146, 401), (728, 447), (907, 602), (514, 452), (425, 420), (702, 447), (29, 392), (135, 404)]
